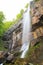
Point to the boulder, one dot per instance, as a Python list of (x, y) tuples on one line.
[(10, 58)]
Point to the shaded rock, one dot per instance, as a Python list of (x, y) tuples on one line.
[(1, 54), (10, 58)]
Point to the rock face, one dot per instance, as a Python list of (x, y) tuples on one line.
[(37, 21), (36, 11), (13, 36), (1, 54)]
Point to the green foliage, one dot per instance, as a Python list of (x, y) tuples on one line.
[(22, 11), (17, 54), (27, 5), (36, 0), (1, 29), (7, 25), (1, 16), (4, 27), (2, 45), (19, 16), (29, 52), (1, 23)]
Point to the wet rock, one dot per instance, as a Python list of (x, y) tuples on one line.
[(10, 58), (1, 54)]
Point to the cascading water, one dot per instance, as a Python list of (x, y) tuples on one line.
[(1, 64), (26, 31)]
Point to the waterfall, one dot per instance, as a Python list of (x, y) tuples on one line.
[(26, 31), (1, 64)]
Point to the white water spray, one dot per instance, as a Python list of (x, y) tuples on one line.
[(26, 31), (1, 64)]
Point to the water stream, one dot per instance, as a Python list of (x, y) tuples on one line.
[(1, 64), (26, 31)]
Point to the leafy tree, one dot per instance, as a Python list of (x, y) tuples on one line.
[(1, 22), (27, 5), (19, 16), (22, 11), (1, 16)]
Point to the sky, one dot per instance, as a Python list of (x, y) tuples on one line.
[(11, 8)]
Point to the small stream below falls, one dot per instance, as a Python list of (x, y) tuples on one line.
[(1, 64)]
